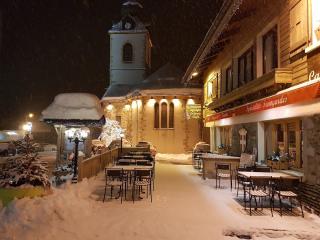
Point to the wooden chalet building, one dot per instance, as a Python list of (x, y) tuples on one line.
[(260, 68)]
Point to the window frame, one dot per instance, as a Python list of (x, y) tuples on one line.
[(127, 53), (275, 60), (159, 123), (244, 57)]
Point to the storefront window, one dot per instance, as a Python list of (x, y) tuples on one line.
[(286, 142)]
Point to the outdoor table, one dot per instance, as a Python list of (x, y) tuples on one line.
[(140, 153), (130, 168), (133, 157), (209, 161), (133, 161), (275, 175)]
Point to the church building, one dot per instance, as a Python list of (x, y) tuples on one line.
[(157, 107)]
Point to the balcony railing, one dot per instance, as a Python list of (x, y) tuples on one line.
[(277, 76)]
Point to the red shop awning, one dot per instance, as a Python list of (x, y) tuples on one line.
[(296, 95)]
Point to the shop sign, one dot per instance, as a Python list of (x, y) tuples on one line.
[(313, 75), (294, 96), (194, 111)]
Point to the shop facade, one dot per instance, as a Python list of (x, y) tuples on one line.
[(259, 64)]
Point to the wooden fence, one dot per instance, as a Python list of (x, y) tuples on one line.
[(92, 166)]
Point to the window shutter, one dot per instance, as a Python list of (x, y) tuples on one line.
[(223, 83), (235, 77), (298, 23)]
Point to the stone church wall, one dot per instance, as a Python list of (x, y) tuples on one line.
[(139, 124)]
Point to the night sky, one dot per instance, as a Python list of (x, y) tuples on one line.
[(53, 46)]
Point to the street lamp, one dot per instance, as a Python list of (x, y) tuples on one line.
[(77, 136)]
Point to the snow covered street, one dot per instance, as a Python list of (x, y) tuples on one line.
[(184, 207)]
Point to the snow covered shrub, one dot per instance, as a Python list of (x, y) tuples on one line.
[(26, 169)]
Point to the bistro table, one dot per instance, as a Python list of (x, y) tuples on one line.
[(275, 175), (134, 157), (210, 159), (134, 161), (132, 167)]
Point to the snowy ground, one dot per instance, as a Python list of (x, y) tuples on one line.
[(184, 207), (184, 159)]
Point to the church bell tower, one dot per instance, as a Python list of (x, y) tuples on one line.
[(130, 47)]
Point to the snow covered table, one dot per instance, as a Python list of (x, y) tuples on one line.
[(209, 161), (132, 167), (275, 175)]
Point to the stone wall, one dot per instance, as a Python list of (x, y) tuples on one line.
[(311, 149), (251, 138)]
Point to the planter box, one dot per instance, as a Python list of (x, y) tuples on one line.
[(9, 194), (278, 165)]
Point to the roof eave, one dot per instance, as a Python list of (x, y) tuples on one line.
[(225, 14)]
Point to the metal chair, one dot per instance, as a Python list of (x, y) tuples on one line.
[(115, 178), (261, 189), (223, 170), (142, 178), (288, 188), (244, 182)]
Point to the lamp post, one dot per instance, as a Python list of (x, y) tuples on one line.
[(77, 136)]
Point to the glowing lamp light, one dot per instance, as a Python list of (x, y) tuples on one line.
[(110, 107), (151, 102), (74, 133), (127, 107), (27, 127), (30, 115), (139, 103), (134, 105), (176, 101), (194, 74), (11, 133), (190, 101)]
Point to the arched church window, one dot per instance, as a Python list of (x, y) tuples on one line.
[(171, 115), (127, 53), (156, 115), (164, 115)]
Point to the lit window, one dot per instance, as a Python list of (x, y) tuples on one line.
[(127, 53)]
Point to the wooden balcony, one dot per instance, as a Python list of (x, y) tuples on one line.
[(277, 76)]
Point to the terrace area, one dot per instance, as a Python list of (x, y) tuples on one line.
[(184, 207)]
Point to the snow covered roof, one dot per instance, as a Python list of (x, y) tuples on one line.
[(74, 106), (132, 3), (11, 135), (164, 81), (118, 90), (168, 76)]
